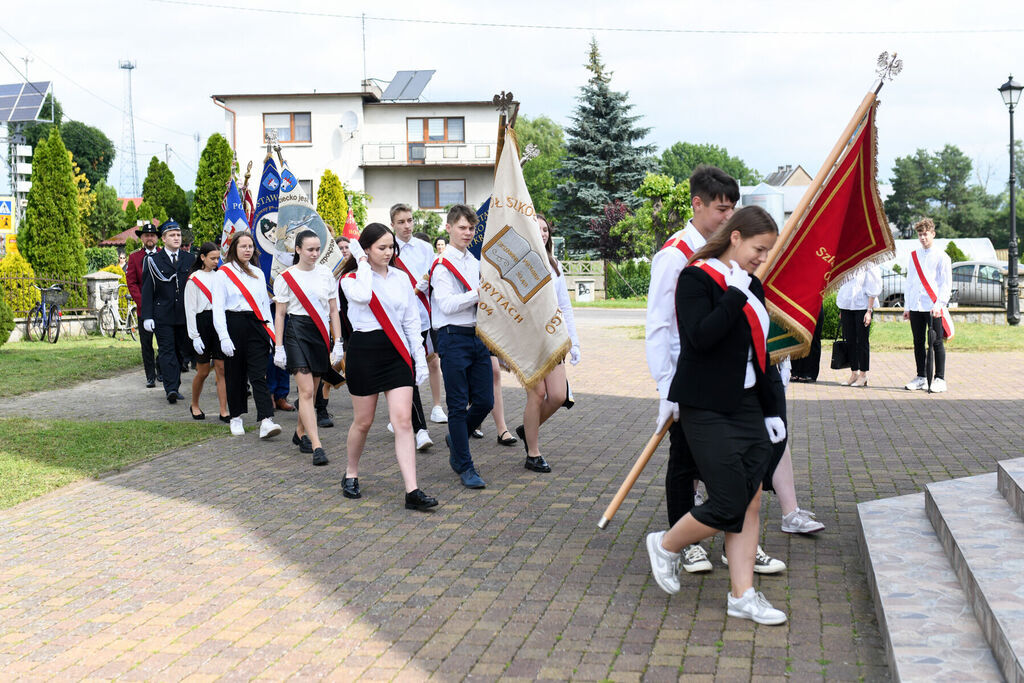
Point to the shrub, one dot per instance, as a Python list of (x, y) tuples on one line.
[(637, 276), (132, 245), (97, 258), (20, 294), (954, 253), (830, 328), (6, 322)]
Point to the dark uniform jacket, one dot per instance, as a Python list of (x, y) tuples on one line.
[(163, 287)]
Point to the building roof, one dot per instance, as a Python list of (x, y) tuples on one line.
[(134, 200), (119, 239), (783, 174), (297, 94)]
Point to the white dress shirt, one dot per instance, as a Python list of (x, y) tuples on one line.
[(226, 296), (450, 303), (196, 301), (861, 290), (662, 332), (417, 256), (317, 284), (397, 298), (565, 304), (939, 270)]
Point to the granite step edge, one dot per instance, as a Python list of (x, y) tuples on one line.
[(1011, 483), (927, 625), (984, 541)]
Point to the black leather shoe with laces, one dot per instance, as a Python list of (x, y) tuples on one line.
[(350, 487), (537, 464), (417, 500)]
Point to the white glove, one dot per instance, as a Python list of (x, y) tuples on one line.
[(226, 347), (148, 325), (337, 352), (423, 285), (476, 295), (198, 345), (776, 428), (574, 354), (356, 250), (280, 359), (422, 372), (667, 412), (738, 278)]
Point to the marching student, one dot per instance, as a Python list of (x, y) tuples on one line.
[(199, 322), (549, 395), (928, 289), (308, 294), (385, 355), (465, 361), (728, 397), (241, 316)]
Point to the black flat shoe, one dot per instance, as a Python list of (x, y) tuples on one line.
[(150, 383), (476, 434), (537, 464), (200, 416), (350, 487), (521, 431), (324, 421), (226, 419), (303, 442), (510, 441), (320, 458), (174, 396), (417, 500)]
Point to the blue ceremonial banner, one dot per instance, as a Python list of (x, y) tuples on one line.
[(264, 219), (235, 219), (481, 225)]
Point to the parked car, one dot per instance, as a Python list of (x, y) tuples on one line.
[(981, 283), (893, 285)]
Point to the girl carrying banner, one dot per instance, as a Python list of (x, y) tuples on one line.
[(385, 354), (308, 294), (241, 316), (199, 322), (729, 405)]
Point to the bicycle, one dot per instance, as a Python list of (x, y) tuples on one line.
[(110, 319), (44, 318)]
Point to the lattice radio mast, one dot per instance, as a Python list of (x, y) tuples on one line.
[(129, 167)]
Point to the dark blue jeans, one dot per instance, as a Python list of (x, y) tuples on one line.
[(468, 388)]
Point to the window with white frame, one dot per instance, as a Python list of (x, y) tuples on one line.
[(437, 194)]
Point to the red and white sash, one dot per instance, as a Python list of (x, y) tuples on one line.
[(412, 279), (441, 260), (227, 270), (201, 287), (681, 245), (947, 319), (377, 308), (314, 314), (757, 315)]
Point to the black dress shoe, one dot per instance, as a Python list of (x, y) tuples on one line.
[(174, 396), (507, 441), (150, 383), (417, 500), (324, 420), (521, 431), (226, 419), (537, 464), (350, 487), (303, 442), (320, 458), (476, 434)]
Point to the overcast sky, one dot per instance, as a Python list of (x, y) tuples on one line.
[(770, 98)]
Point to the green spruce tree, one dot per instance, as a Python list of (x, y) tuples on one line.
[(160, 190), (604, 160), (130, 214), (330, 201), (50, 236), (211, 179)]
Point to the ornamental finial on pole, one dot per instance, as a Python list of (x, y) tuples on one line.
[(503, 101), (887, 68)]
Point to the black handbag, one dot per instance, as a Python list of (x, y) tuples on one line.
[(840, 354)]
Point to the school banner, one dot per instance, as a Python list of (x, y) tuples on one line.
[(264, 218), (518, 316), (295, 213), (235, 219), (843, 227)]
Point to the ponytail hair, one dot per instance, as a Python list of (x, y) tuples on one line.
[(370, 234), (748, 221), (205, 249), (299, 239)]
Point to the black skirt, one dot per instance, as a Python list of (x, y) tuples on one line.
[(373, 365), (211, 341), (304, 347)]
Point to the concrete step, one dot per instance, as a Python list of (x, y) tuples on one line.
[(1011, 483), (984, 539), (926, 622)]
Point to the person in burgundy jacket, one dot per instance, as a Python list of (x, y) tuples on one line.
[(149, 234)]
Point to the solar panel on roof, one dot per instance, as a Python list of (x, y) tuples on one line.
[(417, 84), (397, 85), (22, 101), (407, 85)]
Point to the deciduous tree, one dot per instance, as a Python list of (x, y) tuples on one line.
[(679, 160), (539, 172), (93, 150)]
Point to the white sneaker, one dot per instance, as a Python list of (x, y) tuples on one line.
[(938, 385), (664, 564), (236, 427), (762, 563), (698, 498), (801, 522), (753, 605), (695, 559), (423, 441), (391, 428), (269, 428), (916, 384), (437, 415)]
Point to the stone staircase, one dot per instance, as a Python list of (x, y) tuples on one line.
[(946, 568)]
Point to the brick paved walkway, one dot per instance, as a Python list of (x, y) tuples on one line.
[(237, 558)]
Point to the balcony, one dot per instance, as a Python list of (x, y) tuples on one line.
[(428, 154)]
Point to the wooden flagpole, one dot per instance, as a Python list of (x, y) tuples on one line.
[(634, 474)]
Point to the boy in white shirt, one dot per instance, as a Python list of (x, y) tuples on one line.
[(928, 289)]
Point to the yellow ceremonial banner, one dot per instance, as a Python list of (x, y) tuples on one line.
[(518, 316)]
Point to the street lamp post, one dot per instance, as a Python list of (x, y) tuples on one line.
[(1010, 92)]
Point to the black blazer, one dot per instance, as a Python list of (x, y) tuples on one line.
[(714, 338), (163, 299)]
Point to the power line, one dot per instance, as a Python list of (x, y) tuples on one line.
[(612, 29)]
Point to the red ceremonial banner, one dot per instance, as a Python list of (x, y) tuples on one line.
[(844, 227)]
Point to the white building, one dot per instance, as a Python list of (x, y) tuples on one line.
[(426, 154)]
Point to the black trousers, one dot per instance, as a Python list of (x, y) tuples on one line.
[(171, 339), (248, 365), (857, 335), (148, 357), (808, 366), (919, 321), (679, 476)]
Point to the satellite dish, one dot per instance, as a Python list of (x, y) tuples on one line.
[(349, 123)]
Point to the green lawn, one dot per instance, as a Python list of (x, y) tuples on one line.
[(632, 302), (38, 456), (35, 366)]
